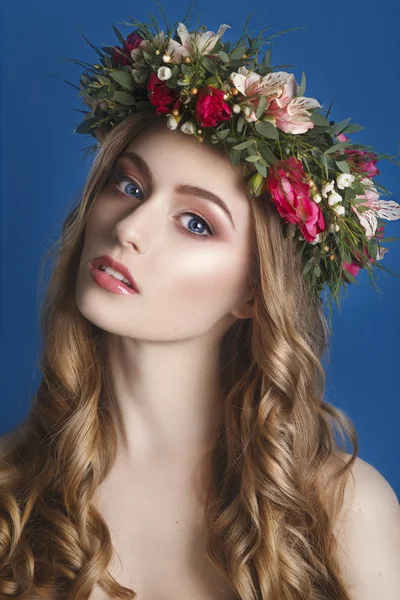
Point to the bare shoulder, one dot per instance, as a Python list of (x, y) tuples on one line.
[(368, 533)]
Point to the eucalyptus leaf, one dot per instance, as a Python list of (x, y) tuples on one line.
[(266, 129), (262, 169), (343, 166), (124, 98), (237, 53), (103, 80), (266, 152), (336, 147), (209, 64), (353, 128), (252, 159), (338, 127), (243, 145), (124, 79), (224, 56), (318, 119), (186, 70), (240, 124), (223, 133)]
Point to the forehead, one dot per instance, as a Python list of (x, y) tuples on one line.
[(181, 156)]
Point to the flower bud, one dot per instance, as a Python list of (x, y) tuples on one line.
[(164, 73), (256, 184), (236, 108), (166, 58)]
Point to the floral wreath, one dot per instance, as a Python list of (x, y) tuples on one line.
[(320, 182)]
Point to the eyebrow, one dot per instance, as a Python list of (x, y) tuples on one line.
[(191, 190)]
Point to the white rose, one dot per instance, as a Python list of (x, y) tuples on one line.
[(164, 73), (344, 180)]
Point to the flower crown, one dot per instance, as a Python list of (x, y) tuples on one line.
[(320, 182)]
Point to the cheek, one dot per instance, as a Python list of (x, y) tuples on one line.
[(209, 281)]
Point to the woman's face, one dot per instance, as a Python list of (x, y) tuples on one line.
[(192, 277)]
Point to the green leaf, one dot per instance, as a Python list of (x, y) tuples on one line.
[(266, 129), (186, 70), (252, 158), (301, 90), (237, 53), (243, 145), (209, 64), (103, 80), (240, 124), (262, 169), (388, 239), (353, 128), (224, 56), (309, 265), (338, 127), (262, 103), (119, 36), (124, 98), (223, 133), (319, 119), (326, 166), (147, 56), (343, 166), (85, 126), (266, 152), (123, 78), (335, 147)]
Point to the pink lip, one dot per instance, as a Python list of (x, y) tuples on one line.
[(108, 281)]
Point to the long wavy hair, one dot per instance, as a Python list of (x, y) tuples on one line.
[(279, 463)]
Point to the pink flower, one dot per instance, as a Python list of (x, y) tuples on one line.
[(211, 109), (290, 113), (161, 95), (286, 182), (361, 161), (132, 41), (279, 89), (385, 209)]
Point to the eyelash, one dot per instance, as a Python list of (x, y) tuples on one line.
[(117, 176)]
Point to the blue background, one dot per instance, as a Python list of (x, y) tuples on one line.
[(350, 54)]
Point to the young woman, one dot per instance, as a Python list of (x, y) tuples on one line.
[(179, 445)]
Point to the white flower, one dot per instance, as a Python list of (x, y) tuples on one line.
[(339, 209), (328, 187), (164, 73), (317, 239), (344, 180), (334, 198), (236, 108), (333, 227), (172, 122), (316, 197), (188, 127)]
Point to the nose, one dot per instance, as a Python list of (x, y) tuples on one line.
[(142, 223)]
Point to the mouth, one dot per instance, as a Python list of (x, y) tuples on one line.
[(116, 270)]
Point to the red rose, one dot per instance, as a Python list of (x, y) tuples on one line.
[(161, 95), (132, 41), (211, 108), (286, 182)]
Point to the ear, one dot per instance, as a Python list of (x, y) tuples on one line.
[(246, 311)]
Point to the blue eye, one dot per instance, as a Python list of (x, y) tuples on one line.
[(116, 177)]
